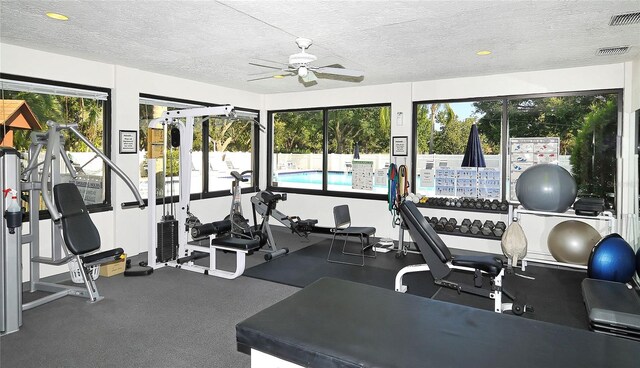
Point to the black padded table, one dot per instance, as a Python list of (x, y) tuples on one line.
[(337, 323)]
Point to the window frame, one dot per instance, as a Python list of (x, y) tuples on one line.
[(205, 193), (325, 153), (504, 140), (106, 204)]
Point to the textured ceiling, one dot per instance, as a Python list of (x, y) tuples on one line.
[(391, 41)]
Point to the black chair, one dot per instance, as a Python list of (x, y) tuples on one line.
[(440, 262), (81, 235), (343, 227)]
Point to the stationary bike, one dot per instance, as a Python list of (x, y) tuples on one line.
[(240, 225)]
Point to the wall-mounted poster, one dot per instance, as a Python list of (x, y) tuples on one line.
[(128, 141), (526, 152), (400, 146), (362, 175)]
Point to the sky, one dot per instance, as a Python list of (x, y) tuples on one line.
[(462, 109)]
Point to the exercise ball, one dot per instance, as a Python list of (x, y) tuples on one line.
[(571, 241), (612, 259), (546, 187), (638, 262)]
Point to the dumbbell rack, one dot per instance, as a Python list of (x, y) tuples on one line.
[(439, 203), (456, 232), (435, 203)]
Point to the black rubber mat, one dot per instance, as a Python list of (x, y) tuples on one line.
[(309, 264), (555, 293)]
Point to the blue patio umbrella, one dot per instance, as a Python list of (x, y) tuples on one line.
[(473, 156), (356, 151)]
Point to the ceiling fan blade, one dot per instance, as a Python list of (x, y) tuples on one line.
[(331, 66), (339, 71), (272, 75), (307, 84), (265, 66), (310, 77), (270, 61)]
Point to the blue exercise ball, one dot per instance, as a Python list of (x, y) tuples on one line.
[(612, 259), (546, 187), (638, 262)]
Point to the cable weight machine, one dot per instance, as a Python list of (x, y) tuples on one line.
[(168, 241)]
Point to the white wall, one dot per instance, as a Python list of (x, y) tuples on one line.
[(128, 228)]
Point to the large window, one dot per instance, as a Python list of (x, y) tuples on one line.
[(575, 130), (585, 127), (63, 103), (297, 149), (325, 149), (219, 147), (443, 130)]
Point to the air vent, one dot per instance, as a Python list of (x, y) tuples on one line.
[(618, 50), (625, 19)]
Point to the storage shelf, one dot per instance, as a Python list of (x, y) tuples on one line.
[(456, 232), (425, 205)]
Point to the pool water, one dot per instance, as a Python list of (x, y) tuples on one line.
[(315, 177)]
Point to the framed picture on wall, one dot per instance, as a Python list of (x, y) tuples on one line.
[(400, 146), (128, 141)]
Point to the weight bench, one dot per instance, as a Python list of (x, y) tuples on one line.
[(227, 243), (80, 235), (440, 262)]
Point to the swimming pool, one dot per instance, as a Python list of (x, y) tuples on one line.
[(314, 178)]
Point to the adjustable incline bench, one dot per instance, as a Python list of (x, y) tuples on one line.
[(440, 262)]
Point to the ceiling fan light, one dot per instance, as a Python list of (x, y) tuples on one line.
[(57, 16), (303, 71)]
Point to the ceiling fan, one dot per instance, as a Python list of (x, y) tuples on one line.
[(299, 64)]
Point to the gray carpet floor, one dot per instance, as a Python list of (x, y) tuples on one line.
[(172, 318)]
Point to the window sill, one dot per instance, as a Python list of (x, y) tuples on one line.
[(329, 193)]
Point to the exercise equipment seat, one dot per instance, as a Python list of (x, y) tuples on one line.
[(80, 234), (492, 265), (248, 245)]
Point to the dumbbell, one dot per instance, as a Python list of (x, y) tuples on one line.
[(450, 225), (504, 205), (487, 228), (475, 227), (433, 221), (478, 204), (486, 204), (465, 203), (440, 225), (495, 205), (498, 230), (465, 226)]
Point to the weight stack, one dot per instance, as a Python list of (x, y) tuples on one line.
[(167, 246)]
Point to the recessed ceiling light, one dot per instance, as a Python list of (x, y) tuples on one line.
[(57, 16), (483, 53), (279, 76)]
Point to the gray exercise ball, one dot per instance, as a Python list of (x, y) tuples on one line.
[(546, 187), (571, 241)]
